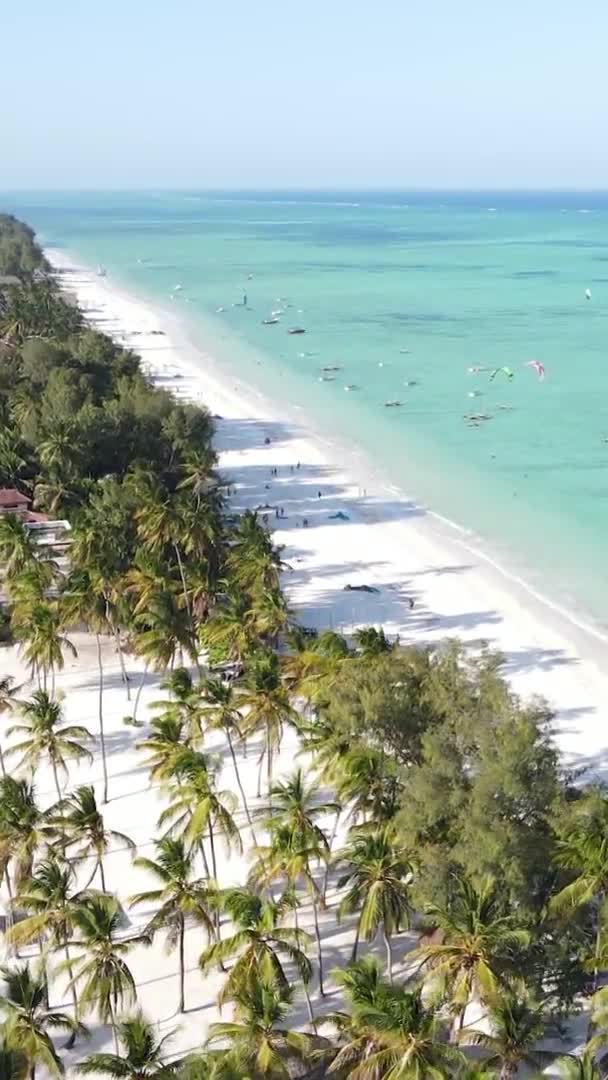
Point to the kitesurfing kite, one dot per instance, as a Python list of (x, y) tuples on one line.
[(538, 367), (502, 371)]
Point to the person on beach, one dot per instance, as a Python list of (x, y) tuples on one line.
[(318, 494), (411, 602)]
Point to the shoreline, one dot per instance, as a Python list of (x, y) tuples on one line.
[(394, 545)]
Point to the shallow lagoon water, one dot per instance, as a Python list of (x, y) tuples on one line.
[(398, 289)]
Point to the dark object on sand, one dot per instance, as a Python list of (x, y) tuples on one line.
[(340, 516), (361, 588), (267, 441), (296, 330)]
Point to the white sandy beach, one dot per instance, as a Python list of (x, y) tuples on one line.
[(385, 543)]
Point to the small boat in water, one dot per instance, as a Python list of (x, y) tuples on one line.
[(296, 330), (392, 404), (269, 322), (331, 367)]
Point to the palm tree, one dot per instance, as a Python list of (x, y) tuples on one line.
[(79, 820), (102, 978), (181, 898), (48, 737), (253, 561), (220, 711), (163, 631), (516, 1024), (24, 828), (583, 1067), (267, 707), (476, 938), (390, 1033), (184, 704), (25, 1001), (197, 809), (290, 855), (8, 694), (377, 878), (14, 1064), (258, 938), (584, 851), (18, 550), (143, 1057), (295, 805), (50, 901), (369, 784), (372, 642), (296, 840), (164, 744), (232, 629), (198, 475), (83, 602), (314, 664), (258, 1036), (43, 643)]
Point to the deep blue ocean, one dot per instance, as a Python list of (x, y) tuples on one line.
[(403, 293)]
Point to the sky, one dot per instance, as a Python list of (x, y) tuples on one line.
[(316, 94)]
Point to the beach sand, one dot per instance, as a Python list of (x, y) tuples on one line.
[(388, 543)]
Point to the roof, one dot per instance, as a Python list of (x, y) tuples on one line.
[(12, 497)]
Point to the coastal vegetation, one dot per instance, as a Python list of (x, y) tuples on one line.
[(426, 812)]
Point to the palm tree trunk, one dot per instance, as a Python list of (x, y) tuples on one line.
[(70, 971), (269, 764), (52, 680), (113, 1026), (201, 848), (260, 763), (332, 841), (102, 740), (2, 765), (182, 963), (121, 657), (32, 1072), (139, 690), (214, 865), (389, 955), (238, 780), (311, 1018), (182, 576), (102, 876), (318, 937), (353, 956), (56, 779), (9, 908)]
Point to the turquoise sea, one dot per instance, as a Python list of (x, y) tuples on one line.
[(395, 289)]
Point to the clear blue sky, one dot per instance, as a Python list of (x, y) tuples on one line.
[(319, 93)]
